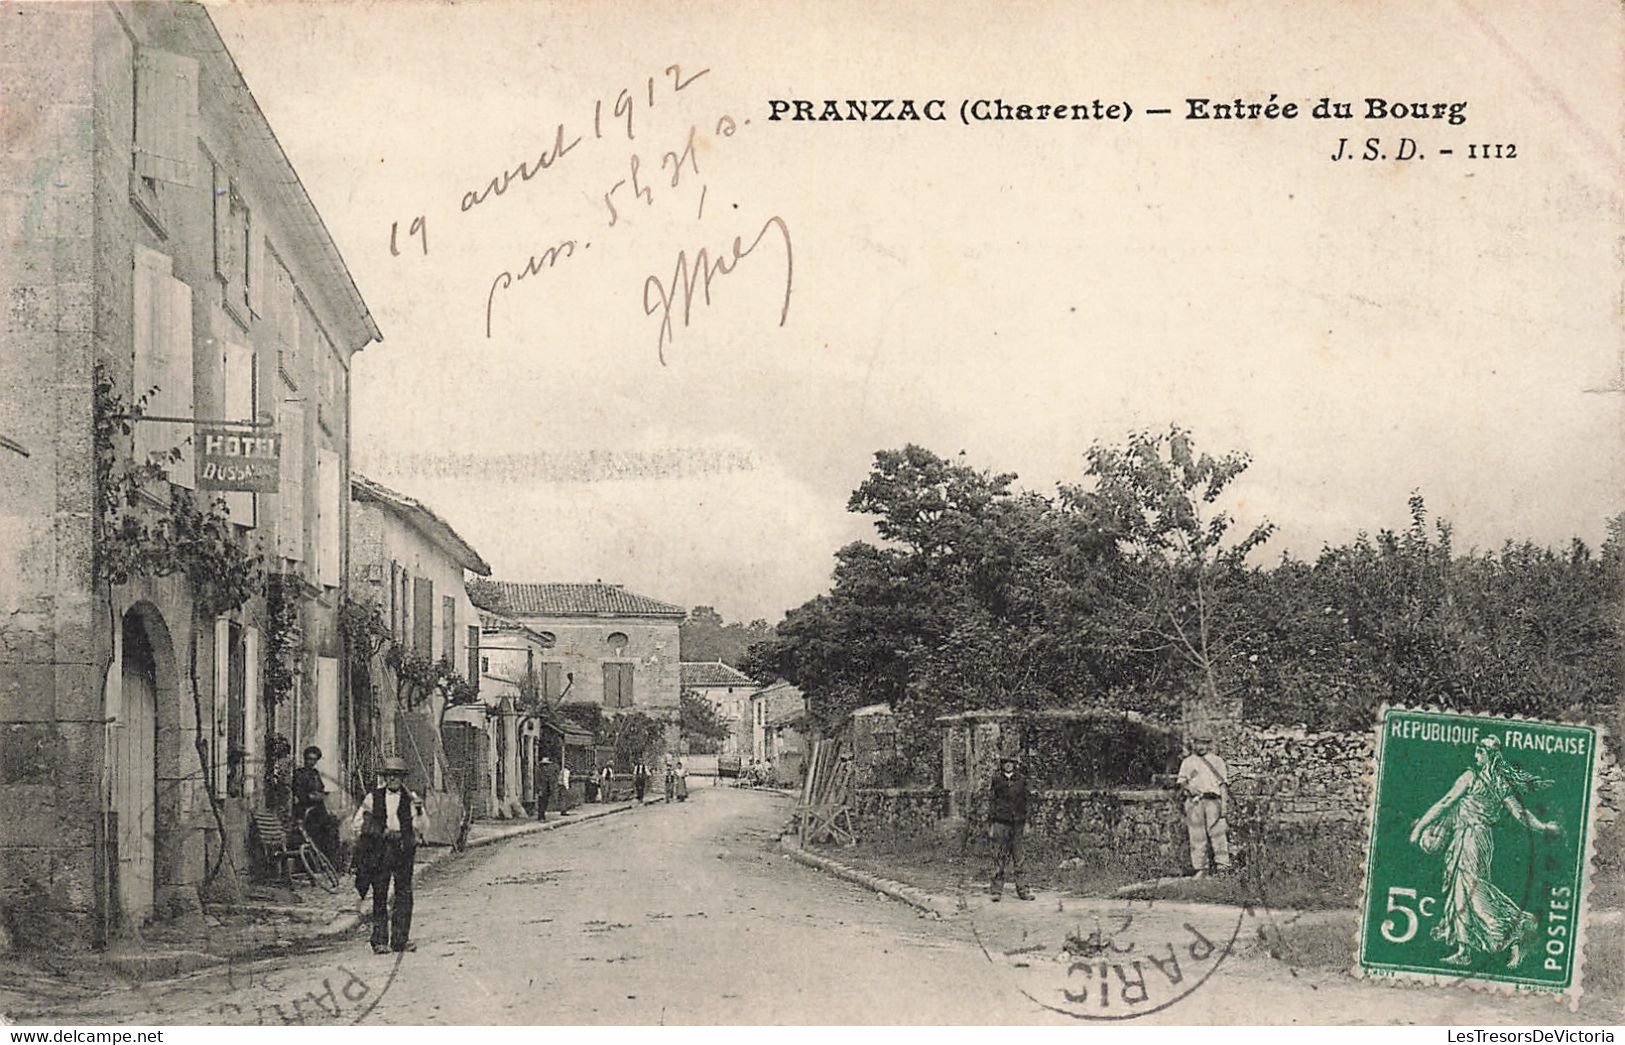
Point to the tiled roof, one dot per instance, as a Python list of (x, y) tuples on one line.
[(571, 600), (418, 515), (497, 623), (713, 673)]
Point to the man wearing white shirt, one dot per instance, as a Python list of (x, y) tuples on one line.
[(387, 825), (1205, 780)]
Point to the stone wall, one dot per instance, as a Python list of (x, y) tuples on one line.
[(1292, 776), (1299, 803), (905, 810), (1139, 828)]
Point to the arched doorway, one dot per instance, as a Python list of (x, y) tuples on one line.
[(135, 773)]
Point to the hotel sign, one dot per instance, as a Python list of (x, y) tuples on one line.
[(232, 459)]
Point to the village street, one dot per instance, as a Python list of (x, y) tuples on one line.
[(689, 913)]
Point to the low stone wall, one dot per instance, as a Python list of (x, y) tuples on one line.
[(1299, 802), (1140, 828), (906, 810)]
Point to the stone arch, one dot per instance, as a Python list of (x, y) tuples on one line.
[(142, 752)]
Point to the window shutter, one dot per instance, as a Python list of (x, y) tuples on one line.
[(448, 629), (166, 90), (474, 656), (328, 488), (612, 686), (423, 616), (552, 681), (290, 531), (177, 399), (627, 697), (150, 340), (256, 269), (251, 709), (222, 223), (238, 366), (222, 702), (162, 345)]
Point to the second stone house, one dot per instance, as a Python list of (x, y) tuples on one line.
[(610, 647), (407, 567), (728, 690)]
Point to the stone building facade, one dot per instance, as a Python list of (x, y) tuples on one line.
[(508, 652), (155, 234), (728, 690), (410, 565), (607, 646)]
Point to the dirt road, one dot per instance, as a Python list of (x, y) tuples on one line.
[(688, 913)]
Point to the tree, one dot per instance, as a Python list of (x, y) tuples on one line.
[(1180, 576), (701, 724), (705, 636)]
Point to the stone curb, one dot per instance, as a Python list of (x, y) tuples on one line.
[(949, 906), (930, 903)]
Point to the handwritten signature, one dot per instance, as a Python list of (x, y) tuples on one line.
[(689, 278)]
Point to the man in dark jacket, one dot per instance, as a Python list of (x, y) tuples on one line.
[(1007, 816), (310, 805), (387, 826), (546, 779)]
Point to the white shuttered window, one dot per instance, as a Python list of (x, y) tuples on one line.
[(329, 492), (165, 146), (290, 527), (162, 343)]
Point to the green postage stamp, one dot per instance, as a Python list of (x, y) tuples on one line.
[(1478, 861)]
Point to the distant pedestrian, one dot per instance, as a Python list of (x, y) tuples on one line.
[(671, 783), (387, 825), (640, 780), (606, 784), (545, 779), (1205, 779), (1007, 816), (564, 790), (681, 783)]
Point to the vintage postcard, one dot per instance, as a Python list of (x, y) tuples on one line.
[(548, 512)]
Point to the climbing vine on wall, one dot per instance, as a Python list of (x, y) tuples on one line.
[(139, 533), (284, 636)]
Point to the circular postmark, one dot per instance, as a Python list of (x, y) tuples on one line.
[(1115, 960)]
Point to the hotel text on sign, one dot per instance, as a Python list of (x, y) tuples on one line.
[(230, 459)]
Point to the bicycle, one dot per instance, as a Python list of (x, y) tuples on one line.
[(315, 862)]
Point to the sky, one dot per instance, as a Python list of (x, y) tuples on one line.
[(1012, 290)]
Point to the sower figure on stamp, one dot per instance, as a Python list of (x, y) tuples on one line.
[(1205, 779), (1474, 915), (387, 827), (1007, 820)]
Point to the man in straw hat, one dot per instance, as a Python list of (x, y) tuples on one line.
[(1205, 780), (387, 826), (1007, 820)]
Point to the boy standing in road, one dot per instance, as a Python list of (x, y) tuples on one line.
[(1007, 815)]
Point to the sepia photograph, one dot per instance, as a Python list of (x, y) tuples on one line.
[(547, 513)]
